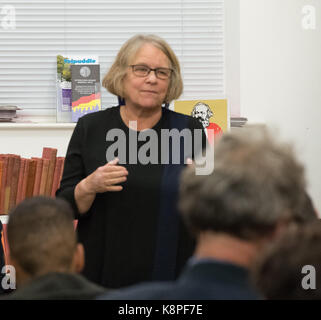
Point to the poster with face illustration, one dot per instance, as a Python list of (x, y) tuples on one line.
[(213, 114)]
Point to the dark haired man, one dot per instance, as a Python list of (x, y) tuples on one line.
[(43, 249)]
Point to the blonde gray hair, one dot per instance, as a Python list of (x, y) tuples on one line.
[(113, 80)]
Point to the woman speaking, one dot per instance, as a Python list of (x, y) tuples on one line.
[(126, 206)]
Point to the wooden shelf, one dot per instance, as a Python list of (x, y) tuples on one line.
[(33, 126)]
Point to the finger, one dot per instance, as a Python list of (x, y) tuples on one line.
[(114, 170), (108, 168), (112, 165), (111, 182), (115, 174), (113, 162), (114, 188)]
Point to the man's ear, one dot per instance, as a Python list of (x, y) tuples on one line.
[(78, 262)]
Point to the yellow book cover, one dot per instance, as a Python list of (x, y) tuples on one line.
[(213, 114)]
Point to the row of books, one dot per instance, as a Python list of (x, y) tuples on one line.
[(22, 178)]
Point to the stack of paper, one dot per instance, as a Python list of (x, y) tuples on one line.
[(238, 121), (8, 113)]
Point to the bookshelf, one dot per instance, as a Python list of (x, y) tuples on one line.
[(28, 139)]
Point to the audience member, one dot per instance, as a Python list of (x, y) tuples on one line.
[(256, 190), (290, 268), (44, 251), (307, 212)]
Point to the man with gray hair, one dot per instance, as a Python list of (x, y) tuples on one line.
[(255, 191)]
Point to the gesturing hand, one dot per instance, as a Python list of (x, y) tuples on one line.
[(106, 178)]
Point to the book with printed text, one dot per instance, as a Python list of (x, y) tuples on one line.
[(213, 114)]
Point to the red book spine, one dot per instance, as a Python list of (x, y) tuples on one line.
[(51, 154), (8, 183), (36, 187), (1, 169), (14, 182), (57, 175), (20, 180), (44, 175), (31, 178), (4, 159), (25, 179)]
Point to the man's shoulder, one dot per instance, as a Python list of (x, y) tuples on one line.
[(144, 291), (57, 286)]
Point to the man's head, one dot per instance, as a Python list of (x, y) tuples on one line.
[(203, 113), (256, 186), (42, 239), (290, 267)]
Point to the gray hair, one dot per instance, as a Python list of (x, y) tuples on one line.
[(256, 183)]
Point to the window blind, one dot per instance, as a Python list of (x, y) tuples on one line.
[(193, 28)]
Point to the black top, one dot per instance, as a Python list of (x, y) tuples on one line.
[(204, 280), (136, 234), (57, 286)]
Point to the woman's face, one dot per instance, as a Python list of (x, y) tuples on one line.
[(146, 92)]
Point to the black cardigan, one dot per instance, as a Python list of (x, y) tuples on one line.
[(136, 234)]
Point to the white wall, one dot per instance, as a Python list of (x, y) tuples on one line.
[(280, 72), (27, 140)]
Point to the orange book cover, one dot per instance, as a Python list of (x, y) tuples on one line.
[(14, 181), (36, 187), (51, 154), (57, 175), (20, 180), (7, 190), (5, 243), (25, 179), (4, 159), (1, 168), (1, 164), (31, 178), (44, 175)]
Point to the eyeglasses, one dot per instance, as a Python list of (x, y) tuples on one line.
[(144, 71)]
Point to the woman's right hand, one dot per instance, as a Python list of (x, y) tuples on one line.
[(103, 179), (106, 178)]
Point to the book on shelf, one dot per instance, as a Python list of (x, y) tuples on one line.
[(1, 170), (50, 154), (8, 186), (84, 85), (44, 177), (4, 159), (36, 188), (22, 178), (57, 175), (31, 178), (14, 181), (25, 180), (212, 113)]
